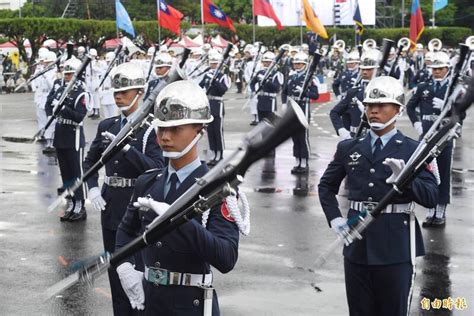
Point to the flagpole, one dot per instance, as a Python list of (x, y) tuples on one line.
[(433, 16), (301, 28), (202, 19), (159, 19), (253, 20)]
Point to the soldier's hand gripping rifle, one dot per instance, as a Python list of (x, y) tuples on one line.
[(271, 70), (203, 60), (117, 51), (134, 122), (207, 192), (225, 59), (256, 61), (39, 74), (60, 104), (308, 77), (386, 46)]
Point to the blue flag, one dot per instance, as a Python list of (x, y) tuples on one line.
[(359, 26), (123, 20), (439, 4)]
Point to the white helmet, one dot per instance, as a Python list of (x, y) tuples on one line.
[(440, 60), (163, 49), (353, 57), (285, 47), (163, 60), (93, 52), (215, 58), (127, 76), (42, 53), (182, 102), (429, 56), (50, 57), (248, 48), (206, 46), (150, 51), (81, 50), (196, 51), (370, 59), (71, 65), (304, 47), (419, 46), (109, 56), (268, 56), (300, 58), (294, 49), (384, 89)]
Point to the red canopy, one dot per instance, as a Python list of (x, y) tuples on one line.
[(187, 42), (112, 43), (12, 44), (219, 41)]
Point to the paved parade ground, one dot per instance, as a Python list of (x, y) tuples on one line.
[(288, 230)]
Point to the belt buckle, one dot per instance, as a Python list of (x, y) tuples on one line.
[(159, 276), (114, 182), (369, 206)]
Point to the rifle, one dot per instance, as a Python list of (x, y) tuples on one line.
[(427, 150), (59, 106), (255, 62), (39, 74), (134, 122), (270, 71), (152, 62), (203, 59), (225, 57), (207, 192), (316, 57), (386, 46), (117, 51)]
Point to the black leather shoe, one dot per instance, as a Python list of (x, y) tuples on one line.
[(438, 222), (42, 140), (212, 163), (61, 190), (294, 170), (68, 211), (79, 216), (49, 150), (65, 217), (428, 222), (253, 123), (302, 170)]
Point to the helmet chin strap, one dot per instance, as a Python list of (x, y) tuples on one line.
[(163, 75), (126, 108), (376, 126), (441, 79), (178, 154)]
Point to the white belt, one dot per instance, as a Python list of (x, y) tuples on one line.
[(160, 276), (391, 208), (213, 97), (267, 94), (432, 117), (64, 121), (119, 182), (353, 129)]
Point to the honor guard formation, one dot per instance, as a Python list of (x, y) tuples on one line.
[(157, 169)]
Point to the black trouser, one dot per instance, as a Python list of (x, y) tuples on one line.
[(301, 144), (265, 114), (70, 166), (215, 134), (378, 289), (445, 161)]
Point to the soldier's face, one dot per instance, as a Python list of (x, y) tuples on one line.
[(298, 66), (367, 73), (68, 76), (440, 73), (161, 71), (351, 65), (125, 98), (176, 138), (381, 112), (266, 64), (213, 65)]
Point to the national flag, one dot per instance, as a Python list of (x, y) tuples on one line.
[(439, 4), (417, 24), (122, 18), (264, 8), (213, 14), (359, 26), (312, 20), (169, 17)]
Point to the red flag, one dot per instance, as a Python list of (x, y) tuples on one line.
[(169, 17), (417, 25), (264, 8), (212, 14)]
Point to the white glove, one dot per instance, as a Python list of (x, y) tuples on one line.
[(260, 77), (418, 127), (159, 207), (111, 137), (98, 202), (131, 281), (340, 227), (353, 81), (298, 89), (438, 103), (396, 165), (344, 133), (360, 105)]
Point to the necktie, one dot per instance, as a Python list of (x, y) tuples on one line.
[(438, 86), (124, 121), (171, 196), (377, 148)]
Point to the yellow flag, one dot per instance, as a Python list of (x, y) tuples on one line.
[(312, 20), (16, 59)]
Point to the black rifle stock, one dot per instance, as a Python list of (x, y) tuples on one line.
[(225, 57), (270, 71), (117, 51)]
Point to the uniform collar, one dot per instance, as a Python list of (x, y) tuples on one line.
[(384, 138), (184, 172)]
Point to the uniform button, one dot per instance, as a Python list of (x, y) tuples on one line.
[(372, 170), (115, 174), (157, 264), (196, 302), (405, 222), (371, 184), (116, 162), (159, 244), (369, 199)]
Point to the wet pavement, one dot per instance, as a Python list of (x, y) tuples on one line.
[(288, 231)]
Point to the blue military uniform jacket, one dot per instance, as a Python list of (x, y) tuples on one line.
[(267, 95), (346, 113), (152, 84), (290, 89), (70, 135), (190, 248), (387, 240), (218, 89), (422, 75), (144, 154), (344, 81)]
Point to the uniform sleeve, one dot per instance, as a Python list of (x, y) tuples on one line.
[(412, 104), (153, 157), (335, 86), (48, 107), (274, 84), (93, 155), (78, 113), (338, 110), (312, 91), (217, 244), (424, 189), (329, 184)]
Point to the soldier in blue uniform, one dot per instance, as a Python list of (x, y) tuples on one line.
[(121, 173), (163, 63), (347, 78), (293, 88), (266, 98), (424, 73), (186, 253), (215, 129), (429, 100), (346, 115), (379, 269), (69, 139)]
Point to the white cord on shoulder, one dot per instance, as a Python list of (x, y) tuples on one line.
[(145, 137)]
